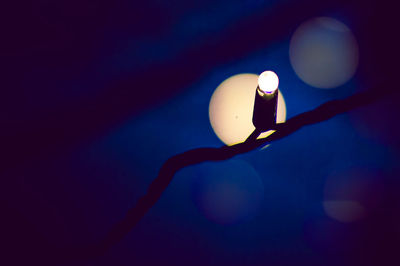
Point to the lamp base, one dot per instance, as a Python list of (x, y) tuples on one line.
[(265, 106)]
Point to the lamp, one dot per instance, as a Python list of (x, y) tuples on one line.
[(266, 101)]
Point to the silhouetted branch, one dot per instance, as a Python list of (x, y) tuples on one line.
[(195, 156)]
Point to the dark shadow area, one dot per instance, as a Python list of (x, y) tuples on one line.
[(200, 155)]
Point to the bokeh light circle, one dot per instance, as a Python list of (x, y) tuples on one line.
[(231, 109), (324, 52), (350, 196), (228, 193)]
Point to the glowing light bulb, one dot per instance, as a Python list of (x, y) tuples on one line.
[(268, 81), (266, 101)]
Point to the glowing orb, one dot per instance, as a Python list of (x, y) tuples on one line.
[(231, 109), (324, 52), (229, 192), (268, 81), (351, 195), (344, 210)]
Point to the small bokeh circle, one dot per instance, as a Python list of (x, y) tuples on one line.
[(228, 193), (324, 53), (350, 196)]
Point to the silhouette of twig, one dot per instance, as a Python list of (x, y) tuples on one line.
[(195, 156)]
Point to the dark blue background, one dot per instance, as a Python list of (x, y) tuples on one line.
[(97, 95)]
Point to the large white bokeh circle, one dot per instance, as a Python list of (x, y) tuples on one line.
[(231, 108)]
